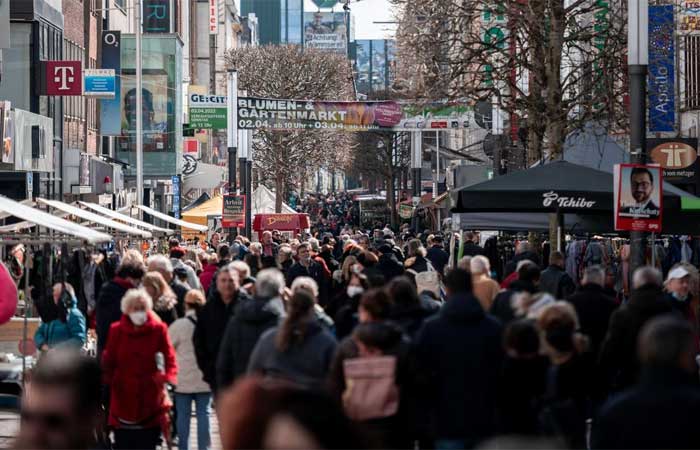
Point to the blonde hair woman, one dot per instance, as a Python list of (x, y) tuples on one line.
[(164, 298)]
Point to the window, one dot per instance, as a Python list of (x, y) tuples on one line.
[(692, 72)]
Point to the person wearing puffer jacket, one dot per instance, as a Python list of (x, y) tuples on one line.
[(69, 328)]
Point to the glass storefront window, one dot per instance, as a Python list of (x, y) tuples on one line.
[(15, 85)]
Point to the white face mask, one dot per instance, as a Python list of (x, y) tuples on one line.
[(138, 318), (354, 290)]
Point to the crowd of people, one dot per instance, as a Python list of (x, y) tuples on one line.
[(368, 340)]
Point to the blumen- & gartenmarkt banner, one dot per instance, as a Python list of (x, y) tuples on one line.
[(275, 114)]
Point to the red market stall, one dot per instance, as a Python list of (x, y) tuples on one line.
[(281, 222)]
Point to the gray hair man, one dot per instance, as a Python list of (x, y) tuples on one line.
[(618, 353), (163, 265), (252, 318)]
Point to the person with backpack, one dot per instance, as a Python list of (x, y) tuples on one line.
[(190, 386), (371, 374)]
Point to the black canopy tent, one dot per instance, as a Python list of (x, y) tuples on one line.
[(567, 189)]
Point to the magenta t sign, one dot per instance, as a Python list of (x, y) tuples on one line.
[(64, 78)]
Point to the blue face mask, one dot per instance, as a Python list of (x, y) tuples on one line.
[(678, 297)]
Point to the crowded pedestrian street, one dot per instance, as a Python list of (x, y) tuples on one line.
[(349, 224)]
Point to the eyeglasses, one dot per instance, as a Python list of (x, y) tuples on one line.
[(51, 421)]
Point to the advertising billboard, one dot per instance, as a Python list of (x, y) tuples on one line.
[(325, 31), (233, 214), (99, 83), (161, 105), (207, 111), (638, 197)]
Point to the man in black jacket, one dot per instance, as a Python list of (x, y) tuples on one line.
[(471, 248), (554, 278), (460, 351), (593, 307), (528, 281), (659, 411), (305, 266), (388, 265), (618, 360), (252, 317), (437, 255), (211, 323)]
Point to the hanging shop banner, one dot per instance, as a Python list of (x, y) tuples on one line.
[(678, 157), (99, 83), (213, 17), (662, 101), (689, 17), (110, 113), (207, 111), (233, 214), (176, 196), (638, 197), (254, 113), (406, 211), (325, 31)]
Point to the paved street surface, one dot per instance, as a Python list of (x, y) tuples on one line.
[(9, 426)]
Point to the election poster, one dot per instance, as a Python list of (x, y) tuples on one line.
[(638, 196), (325, 31)]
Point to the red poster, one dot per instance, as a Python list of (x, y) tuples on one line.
[(64, 78), (638, 197)]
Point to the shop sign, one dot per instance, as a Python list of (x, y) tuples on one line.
[(99, 83), (157, 16), (677, 157), (63, 78), (406, 211), (176, 196), (233, 214), (638, 197), (552, 199)]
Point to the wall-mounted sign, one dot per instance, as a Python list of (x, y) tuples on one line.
[(233, 214), (662, 79), (689, 17), (63, 78), (99, 83), (678, 158), (638, 197), (176, 196)]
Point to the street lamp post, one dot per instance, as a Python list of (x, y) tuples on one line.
[(416, 164), (638, 60), (139, 106)]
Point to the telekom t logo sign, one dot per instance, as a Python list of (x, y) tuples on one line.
[(64, 78)]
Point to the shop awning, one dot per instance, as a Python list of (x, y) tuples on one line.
[(124, 218), (172, 220), (95, 218), (52, 222), (5, 215), (281, 222)]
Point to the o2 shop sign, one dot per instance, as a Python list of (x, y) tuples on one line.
[(64, 78), (551, 198)]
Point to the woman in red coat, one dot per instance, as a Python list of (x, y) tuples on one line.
[(137, 362)]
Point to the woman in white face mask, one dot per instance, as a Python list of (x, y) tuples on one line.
[(137, 362)]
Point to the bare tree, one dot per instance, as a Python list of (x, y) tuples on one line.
[(553, 65), (286, 158)]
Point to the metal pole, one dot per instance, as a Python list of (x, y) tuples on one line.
[(232, 133), (139, 107), (249, 184), (638, 59), (436, 187), (416, 163)]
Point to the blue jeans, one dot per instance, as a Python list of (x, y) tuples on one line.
[(183, 406)]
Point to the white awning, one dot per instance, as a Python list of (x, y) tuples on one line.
[(167, 218), (95, 218), (123, 217), (5, 215), (47, 220)]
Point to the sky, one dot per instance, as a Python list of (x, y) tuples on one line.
[(366, 12)]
